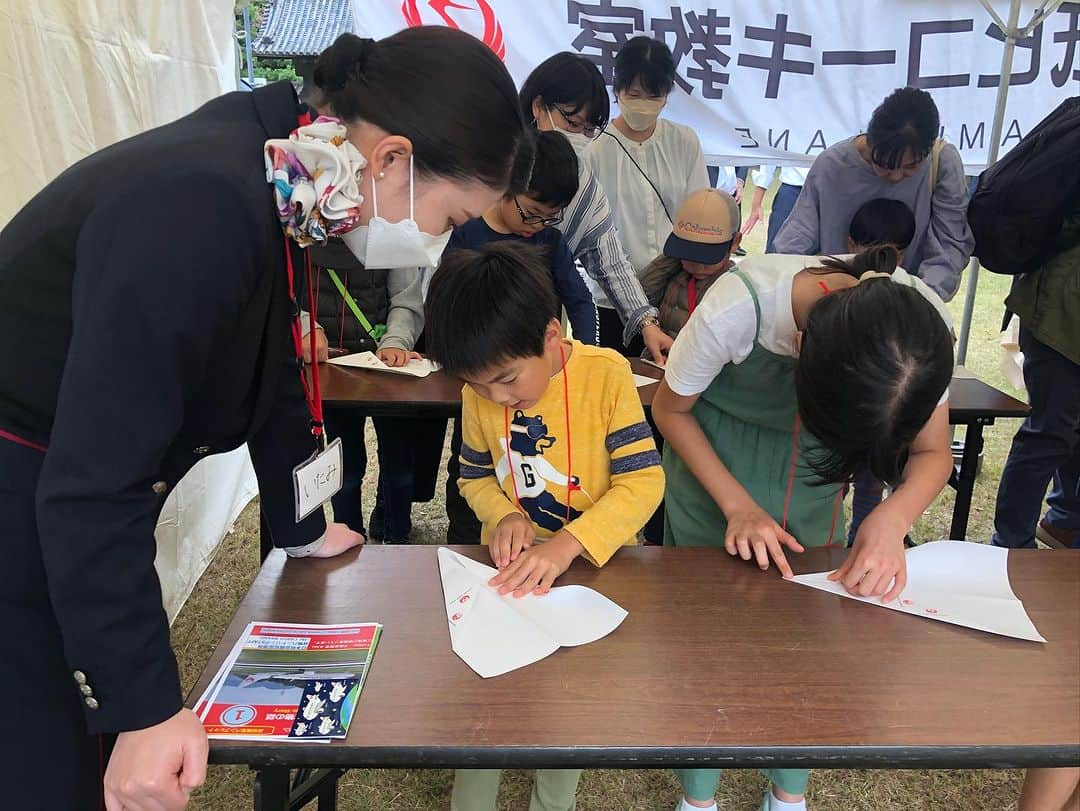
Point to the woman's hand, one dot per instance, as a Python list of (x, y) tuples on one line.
[(397, 357), (657, 342), (877, 564), (756, 216), (339, 538), (157, 767), (753, 534)]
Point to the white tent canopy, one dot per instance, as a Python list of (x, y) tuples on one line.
[(78, 75)]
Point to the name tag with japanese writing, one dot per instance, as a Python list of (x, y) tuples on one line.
[(317, 480)]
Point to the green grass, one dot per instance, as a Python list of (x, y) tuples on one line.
[(214, 601)]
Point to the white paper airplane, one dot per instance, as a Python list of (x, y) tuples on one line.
[(958, 582), (368, 360), (495, 634)]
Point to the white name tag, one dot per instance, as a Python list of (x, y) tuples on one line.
[(317, 480)]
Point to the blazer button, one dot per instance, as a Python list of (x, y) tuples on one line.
[(202, 450), (160, 487), (86, 689), (91, 703), (80, 677)]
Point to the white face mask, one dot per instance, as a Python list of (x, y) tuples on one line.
[(383, 245), (578, 140), (640, 114)]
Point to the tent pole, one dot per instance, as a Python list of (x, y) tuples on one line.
[(1010, 32), (247, 46)]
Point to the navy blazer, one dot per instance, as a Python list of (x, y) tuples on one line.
[(145, 313)]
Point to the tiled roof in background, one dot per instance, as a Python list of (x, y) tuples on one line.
[(301, 27)]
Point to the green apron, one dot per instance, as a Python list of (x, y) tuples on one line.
[(748, 414)]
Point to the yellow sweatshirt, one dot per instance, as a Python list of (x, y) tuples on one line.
[(607, 464)]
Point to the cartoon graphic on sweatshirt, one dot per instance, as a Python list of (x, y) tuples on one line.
[(529, 438)]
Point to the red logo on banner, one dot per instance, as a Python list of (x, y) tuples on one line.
[(491, 31)]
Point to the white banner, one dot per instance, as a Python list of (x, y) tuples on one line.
[(778, 83)]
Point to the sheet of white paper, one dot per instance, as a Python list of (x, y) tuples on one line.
[(953, 581), (495, 634), (643, 380), (368, 360)]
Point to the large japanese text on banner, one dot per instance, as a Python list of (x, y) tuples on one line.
[(779, 82)]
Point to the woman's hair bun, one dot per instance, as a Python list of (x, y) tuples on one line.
[(342, 62)]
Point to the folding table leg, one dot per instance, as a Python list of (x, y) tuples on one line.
[(271, 789), (328, 793), (965, 481)]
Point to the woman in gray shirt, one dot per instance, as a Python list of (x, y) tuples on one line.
[(898, 157)]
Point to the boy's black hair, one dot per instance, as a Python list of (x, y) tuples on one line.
[(906, 120), (649, 60), (883, 221), (488, 306), (554, 179), (874, 362), (570, 81)]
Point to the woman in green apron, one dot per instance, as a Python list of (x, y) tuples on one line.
[(790, 376)]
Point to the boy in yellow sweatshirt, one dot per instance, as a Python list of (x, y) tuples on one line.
[(557, 459)]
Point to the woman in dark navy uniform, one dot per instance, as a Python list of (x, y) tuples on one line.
[(146, 314)]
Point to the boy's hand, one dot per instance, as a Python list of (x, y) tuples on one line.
[(657, 342), (752, 533), (537, 567), (878, 558), (321, 346), (513, 534), (397, 357)]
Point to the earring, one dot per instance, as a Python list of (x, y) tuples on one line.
[(382, 175)]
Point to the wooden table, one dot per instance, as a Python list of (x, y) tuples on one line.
[(974, 404), (382, 394), (717, 665)]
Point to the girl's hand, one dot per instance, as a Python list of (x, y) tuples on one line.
[(752, 533), (877, 565), (397, 357)]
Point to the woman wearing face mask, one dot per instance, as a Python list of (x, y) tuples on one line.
[(148, 290), (647, 165), (567, 93), (898, 157)]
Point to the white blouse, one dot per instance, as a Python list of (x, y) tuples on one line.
[(672, 159)]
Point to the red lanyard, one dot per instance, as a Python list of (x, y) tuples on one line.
[(691, 292), (18, 440), (570, 486), (312, 393)]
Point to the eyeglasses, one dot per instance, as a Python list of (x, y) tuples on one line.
[(586, 128), (536, 219)]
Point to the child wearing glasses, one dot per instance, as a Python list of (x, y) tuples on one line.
[(528, 216)]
